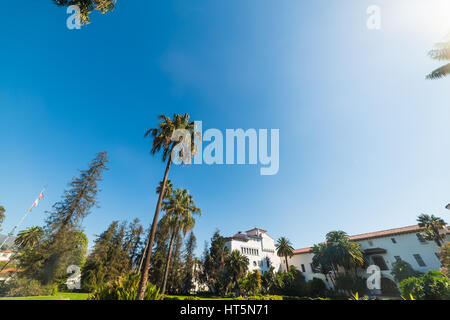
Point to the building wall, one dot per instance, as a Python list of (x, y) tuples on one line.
[(257, 249), (5, 255), (405, 247)]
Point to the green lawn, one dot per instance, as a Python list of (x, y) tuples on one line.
[(169, 297), (58, 296)]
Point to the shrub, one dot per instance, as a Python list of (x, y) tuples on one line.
[(265, 297), (126, 288), (433, 285), (349, 283), (24, 287), (316, 288)]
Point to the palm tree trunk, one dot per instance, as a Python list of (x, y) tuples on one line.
[(287, 265), (148, 253), (437, 237), (169, 254)]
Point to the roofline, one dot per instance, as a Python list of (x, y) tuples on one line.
[(374, 235), (256, 229)]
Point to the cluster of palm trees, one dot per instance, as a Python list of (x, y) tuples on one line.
[(178, 205)]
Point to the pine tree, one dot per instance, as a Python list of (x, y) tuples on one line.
[(109, 259), (188, 274), (64, 243), (133, 242)]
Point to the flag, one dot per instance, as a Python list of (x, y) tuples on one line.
[(36, 202)]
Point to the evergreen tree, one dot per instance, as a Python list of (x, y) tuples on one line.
[(109, 259), (189, 260), (214, 263), (133, 242), (64, 244)]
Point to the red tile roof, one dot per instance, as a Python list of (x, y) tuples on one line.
[(385, 233)]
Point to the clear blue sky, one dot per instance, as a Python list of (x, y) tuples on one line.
[(364, 138)]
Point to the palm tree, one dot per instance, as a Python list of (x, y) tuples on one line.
[(164, 140), (237, 266), (26, 239), (179, 207), (440, 52), (168, 191), (29, 237), (285, 249), (432, 226)]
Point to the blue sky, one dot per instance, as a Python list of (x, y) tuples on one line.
[(364, 138)]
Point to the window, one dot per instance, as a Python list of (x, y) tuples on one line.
[(379, 261), (393, 240), (419, 260), (370, 243), (397, 258), (254, 263), (420, 237), (303, 268)]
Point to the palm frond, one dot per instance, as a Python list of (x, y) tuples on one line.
[(439, 72)]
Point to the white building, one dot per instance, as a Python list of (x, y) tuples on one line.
[(258, 247), (383, 248), (5, 255)]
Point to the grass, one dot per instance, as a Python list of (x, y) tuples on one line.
[(172, 297), (58, 296)]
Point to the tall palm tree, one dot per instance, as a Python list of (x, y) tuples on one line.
[(284, 249), (168, 191), (163, 140), (237, 266), (432, 226), (29, 237), (180, 206), (440, 52)]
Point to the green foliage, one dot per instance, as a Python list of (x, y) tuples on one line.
[(63, 243), (24, 287), (356, 296), (291, 283), (433, 285), (179, 207), (316, 288), (214, 271), (432, 226), (251, 284), (29, 237), (444, 256), (109, 259), (338, 251), (236, 267), (87, 6), (125, 288), (265, 297), (349, 283), (284, 249), (188, 272), (402, 270)]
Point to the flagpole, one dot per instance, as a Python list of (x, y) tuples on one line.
[(21, 220)]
